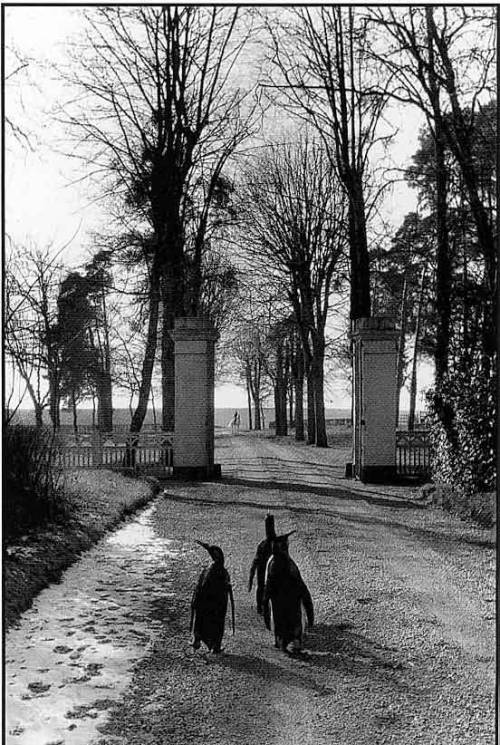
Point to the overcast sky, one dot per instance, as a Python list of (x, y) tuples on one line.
[(45, 200)]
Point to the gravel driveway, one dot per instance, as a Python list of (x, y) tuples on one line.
[(402, 650)]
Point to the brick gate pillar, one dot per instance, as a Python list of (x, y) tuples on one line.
[(194, 399), (375, 391)]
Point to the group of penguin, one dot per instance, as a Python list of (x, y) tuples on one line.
[(280, 590)]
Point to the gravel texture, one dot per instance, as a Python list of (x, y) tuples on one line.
[(403, 646)]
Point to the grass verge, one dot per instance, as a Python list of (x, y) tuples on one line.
[(95, 502)]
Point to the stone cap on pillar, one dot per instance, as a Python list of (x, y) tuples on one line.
[(375, 327), (194, 327)]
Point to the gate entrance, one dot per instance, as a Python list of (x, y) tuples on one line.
[(375, 391), (194, 399)]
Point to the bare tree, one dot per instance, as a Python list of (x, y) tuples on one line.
[(159, 122), (128, 358), (323, 74), (17, 66), (32, 284), (293, 229), (246, 342)]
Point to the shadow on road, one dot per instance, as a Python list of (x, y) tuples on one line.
[(324, 491), (268, 671), (437, 538), (337, 646), (328, 646), (330, 468)]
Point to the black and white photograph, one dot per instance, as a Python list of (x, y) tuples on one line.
[(250, 386)]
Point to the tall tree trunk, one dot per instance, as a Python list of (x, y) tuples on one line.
[(280, 413), (54, 400), (358, 250), (443, 271), (281, 429), (311, 411), (299, 393), (319, 393), (257, 413), (401, 346), (105, 402), (172, 296), (168, 380), (249, 399), (38, 415), (35, 400), (256, 394), (413, 383), (443, 261), (75, 413), (149, 356)]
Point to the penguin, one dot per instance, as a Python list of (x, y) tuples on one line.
[(209, 603), (285, 592), (260, 561)]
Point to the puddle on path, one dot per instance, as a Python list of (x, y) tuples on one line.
[(72, 655)]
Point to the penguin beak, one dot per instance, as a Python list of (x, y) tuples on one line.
[(205, 545), (289, 534)]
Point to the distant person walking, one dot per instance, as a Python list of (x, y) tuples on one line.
[(235, 423)]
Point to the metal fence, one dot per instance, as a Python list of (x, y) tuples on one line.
[(420, 420), (413, 453)]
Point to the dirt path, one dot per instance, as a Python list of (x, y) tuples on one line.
[(402, 651)]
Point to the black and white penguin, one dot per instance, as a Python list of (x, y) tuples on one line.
[(260, 561), (285, 593), (209, 603)]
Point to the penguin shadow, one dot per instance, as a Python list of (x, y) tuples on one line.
[(339, 647), (268, 671)]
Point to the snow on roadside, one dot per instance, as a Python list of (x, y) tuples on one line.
[(70, 658)]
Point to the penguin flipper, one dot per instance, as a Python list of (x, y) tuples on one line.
[(231, 600), (253, 569), (266, 609), (308, 604), (191, 621)]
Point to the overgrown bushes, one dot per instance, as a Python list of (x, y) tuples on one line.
[(33, 479), (463, 441)]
